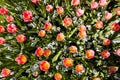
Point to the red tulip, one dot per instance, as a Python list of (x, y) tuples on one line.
[(47, 26), (79, 12), (21, 59), (3, 11), (21, 38), (5, 72), (2, 29), (39, 52), (49, 8), (93, 5), (42, 33), (27, 16), (9, 18), (12, 28), (44, 65), (106, 42), (115, 27), (105, 54), (2, 40)]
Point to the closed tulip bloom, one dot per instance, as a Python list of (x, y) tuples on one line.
[(105, 54), (79, 12), (44, 65), (2, 29), (27, 16), (93, 5), (67, 62), (2, 40), (58, 76), (49, 8), (3, 11), (67, 22), (118, 11), (108, 16), (75, 2), (21, 59), (5, 72)]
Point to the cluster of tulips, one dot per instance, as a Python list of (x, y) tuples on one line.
[(45, 65)]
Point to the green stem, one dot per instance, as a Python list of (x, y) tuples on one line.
[(55, 58), (72, 32)]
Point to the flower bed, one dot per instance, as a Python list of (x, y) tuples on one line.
[(59, 40)]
